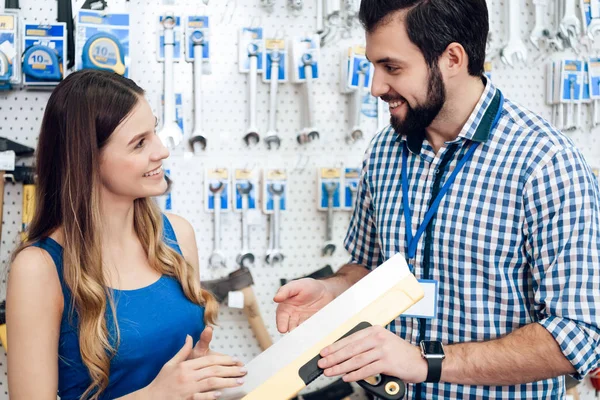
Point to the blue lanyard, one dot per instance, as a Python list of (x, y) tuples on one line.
[(413, 241)]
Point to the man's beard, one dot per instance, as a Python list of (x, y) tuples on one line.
[(417, 119)]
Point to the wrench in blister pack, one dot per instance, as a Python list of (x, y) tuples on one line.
[(217, 258), (357, 132), (198, 140), (515, 48), (170, 134), (596, 112), (252, 137), (593, 29), (246, 257), (570, 105), (273, 140), (309, 133), (274, 254), (329, 246)]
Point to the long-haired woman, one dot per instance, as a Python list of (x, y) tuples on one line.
[(104, 299)]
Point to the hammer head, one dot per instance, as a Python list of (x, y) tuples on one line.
[(22, 174), (237, 280), (19, 149)]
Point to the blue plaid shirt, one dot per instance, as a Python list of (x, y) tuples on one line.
[(515, 240)]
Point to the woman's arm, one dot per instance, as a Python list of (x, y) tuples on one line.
[(34, 306)]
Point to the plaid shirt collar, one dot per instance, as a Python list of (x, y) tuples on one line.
[(478, 126)]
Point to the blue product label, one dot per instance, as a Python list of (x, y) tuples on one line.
[(281, 76), (356, 64), (251, 196), (98, 18), (572, 82), (177, 39), (594, 79), (168, 201), (44, 30), (198, 24), (211, 198), (325, 197)]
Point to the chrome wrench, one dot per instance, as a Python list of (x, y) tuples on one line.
[(274, 254), (217, 258), (570, 26), (252, 137), (540, 31), (515, 46), (357, 132), (198, 140), (272, 140), (246, 257), (308, 134), (170, 134), (329, 246)]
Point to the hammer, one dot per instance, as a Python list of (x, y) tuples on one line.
[(26, 175), (241, 280), (20, 151), (318, 274)]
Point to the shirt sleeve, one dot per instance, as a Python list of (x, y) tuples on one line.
[(562, 224), (361, 239)]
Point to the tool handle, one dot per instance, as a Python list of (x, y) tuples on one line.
[(358, 98), (253, 83), (308, 71), (198, 90), (12, 4), (65, 14), (255, 319), (169, 100), (1, 202), (273, 95)]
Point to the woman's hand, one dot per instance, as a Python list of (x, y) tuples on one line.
[(185, 377)]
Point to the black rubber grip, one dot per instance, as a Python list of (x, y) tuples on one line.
[(388, 388)]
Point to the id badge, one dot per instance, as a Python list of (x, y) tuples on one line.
[(427, 306)]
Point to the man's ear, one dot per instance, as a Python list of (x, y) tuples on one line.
[(454, 60)]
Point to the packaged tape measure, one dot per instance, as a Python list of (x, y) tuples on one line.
[(104, 51), (44, 57), (102, 42), (10, 71)]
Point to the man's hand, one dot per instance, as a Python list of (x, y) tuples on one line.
[(298, 301), (373, 351)]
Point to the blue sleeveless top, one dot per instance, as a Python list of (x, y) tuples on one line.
[(153, 323)]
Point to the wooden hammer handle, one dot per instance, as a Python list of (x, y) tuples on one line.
[(255, 319)]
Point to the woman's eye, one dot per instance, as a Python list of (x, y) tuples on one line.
[(390, 68), (140, 144)]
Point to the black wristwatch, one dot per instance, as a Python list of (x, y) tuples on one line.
[(433, 353)]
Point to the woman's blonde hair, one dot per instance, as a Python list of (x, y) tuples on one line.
[(82, 112)]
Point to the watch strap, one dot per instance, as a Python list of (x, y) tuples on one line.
[(434, 371)]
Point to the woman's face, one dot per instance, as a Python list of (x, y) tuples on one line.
[(131, 161)]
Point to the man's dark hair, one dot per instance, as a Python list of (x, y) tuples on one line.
[(433, 24)]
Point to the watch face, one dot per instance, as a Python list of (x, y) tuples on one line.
[(432, 348)]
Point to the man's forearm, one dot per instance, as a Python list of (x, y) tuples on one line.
[(529, 354), (346, 276)]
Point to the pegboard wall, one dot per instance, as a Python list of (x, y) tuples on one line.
[(225, 119)]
